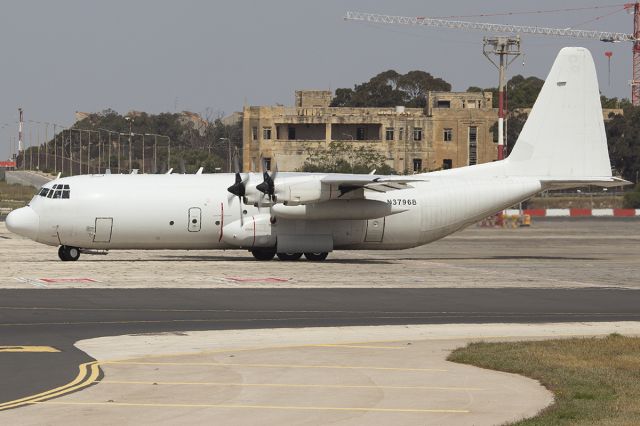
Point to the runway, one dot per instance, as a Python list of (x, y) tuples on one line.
[(558, 272), (59, 318)]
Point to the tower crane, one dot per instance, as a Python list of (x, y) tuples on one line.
[(605, 36)]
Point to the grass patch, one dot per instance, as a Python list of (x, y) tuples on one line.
[(15, 196), (596, 381)]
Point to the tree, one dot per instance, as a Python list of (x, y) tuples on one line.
[(623, 134), (632, 199), (389, 88), (416, 85), (195, 142), (340, 157)]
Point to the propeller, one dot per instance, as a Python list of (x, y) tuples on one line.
[(239, 188), (268, 187)]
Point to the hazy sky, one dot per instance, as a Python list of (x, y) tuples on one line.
[(164, 56)]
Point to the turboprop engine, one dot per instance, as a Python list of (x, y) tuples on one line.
[(253, 231)]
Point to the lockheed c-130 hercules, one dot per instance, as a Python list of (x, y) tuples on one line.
[(562, 145)]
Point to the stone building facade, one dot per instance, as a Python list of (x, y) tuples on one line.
[(454, 130)]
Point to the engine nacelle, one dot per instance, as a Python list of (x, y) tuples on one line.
[(336, 210), (255, 231)]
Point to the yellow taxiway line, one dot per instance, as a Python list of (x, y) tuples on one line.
[(28, 349), (87, 375), (259, 407), (291, 385), (230, 364)]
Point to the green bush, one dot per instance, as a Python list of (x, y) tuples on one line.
[(632, 199)]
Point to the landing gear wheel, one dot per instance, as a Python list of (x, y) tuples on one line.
[(316, 256), (289, 256), (67, 253), (264, 253)]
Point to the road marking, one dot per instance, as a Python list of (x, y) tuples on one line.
[(230, 364), (30, 281), (292, 385), (87, 375), (68, 280), (337, 345), (262, 407), (28, 349), (258, 280)]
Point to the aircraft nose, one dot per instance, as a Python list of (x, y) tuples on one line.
[(23, 221)]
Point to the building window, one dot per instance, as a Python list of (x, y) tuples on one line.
[(267, 163), (361, 133), (401, 133), (254, 133), (292, 133), (266, 133), (447, 164), (417, 133), (447, 135), (417, 165), (389, 134), (443, 104), (473, 145)]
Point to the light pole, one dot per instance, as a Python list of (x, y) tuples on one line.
[(89, 150), (228, 153), (130, 120), (155, 143), (117, 133)]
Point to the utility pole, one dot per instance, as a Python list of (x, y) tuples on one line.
[(503, 47), (130, 120), (55, 150), (38, 139)]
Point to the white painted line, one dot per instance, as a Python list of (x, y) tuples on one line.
[(558, 212), (31, 281), (602, 212)]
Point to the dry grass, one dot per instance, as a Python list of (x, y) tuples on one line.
[(595, 381), (15, 196)]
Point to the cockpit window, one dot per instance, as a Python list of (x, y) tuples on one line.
[(57, 191)]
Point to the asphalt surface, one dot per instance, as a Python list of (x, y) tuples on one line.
[(61, 317)]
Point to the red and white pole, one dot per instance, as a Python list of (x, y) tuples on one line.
[(20, 125), (501, 107), (635, 82)]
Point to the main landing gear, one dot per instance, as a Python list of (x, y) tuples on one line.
[(67, 253), (269, 253)]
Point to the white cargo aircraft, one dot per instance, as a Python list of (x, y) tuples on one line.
[(562, 145)]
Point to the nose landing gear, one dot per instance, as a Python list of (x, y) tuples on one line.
[(67, 253)]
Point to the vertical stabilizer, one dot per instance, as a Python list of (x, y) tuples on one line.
[(564, 136)]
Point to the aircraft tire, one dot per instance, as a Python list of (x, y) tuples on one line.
[(264, 253), (62, 254), (289, 256), (67, 253), (316, 256)]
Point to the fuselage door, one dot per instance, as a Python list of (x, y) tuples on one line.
[(375, 230), (104, 225), (195, 216)]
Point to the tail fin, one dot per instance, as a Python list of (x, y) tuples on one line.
[(564, 137)]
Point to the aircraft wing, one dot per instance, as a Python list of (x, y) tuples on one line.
[(346, 183)]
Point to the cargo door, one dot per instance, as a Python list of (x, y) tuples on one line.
[(103, 228), (195, 216), (375, 230)]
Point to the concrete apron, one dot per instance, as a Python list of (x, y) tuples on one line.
[(342, 375)]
